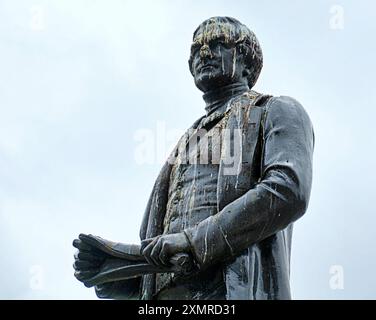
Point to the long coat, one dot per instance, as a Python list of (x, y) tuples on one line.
[(251, 233)]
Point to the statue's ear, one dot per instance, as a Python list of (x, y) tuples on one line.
[(242, 49), (190, 66), (243, 52), (246, 72)]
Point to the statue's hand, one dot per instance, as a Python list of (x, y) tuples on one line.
[(88, 259), (159, 250)]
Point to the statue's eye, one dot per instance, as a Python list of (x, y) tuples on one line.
[(214, 44)]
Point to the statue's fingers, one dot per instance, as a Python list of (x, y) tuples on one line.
[(164, 257), (84, 247), (84, 275), (92, 241), (154, 255), (146, 242), (79, 255), (77, 243), (76, 255), (147, 251), (82, 265)]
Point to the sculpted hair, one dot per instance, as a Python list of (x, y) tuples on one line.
[(236, 33)]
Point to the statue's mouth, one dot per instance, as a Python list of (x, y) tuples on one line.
[(207, 66)]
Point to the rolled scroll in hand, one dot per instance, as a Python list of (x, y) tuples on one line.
[(99, 261)]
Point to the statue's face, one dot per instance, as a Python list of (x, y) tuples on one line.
[(215, 60)]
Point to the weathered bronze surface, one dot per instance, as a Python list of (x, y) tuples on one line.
[(218, 224)]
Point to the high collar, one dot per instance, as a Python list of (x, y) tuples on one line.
[(215, 99)]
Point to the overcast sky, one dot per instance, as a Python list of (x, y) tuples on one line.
[(82, 81)]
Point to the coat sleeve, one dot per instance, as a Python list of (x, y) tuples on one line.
[(279, 198)]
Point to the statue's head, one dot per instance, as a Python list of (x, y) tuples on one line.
[(224, 51)]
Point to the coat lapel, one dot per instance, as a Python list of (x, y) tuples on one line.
[(237, 171)]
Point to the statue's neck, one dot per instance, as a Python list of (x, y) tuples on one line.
[(217, 98)]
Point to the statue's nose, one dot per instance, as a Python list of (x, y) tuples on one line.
[(205, 51)]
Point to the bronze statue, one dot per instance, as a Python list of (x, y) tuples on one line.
[(219, 220)]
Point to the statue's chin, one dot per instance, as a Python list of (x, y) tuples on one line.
[(209, 81)]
